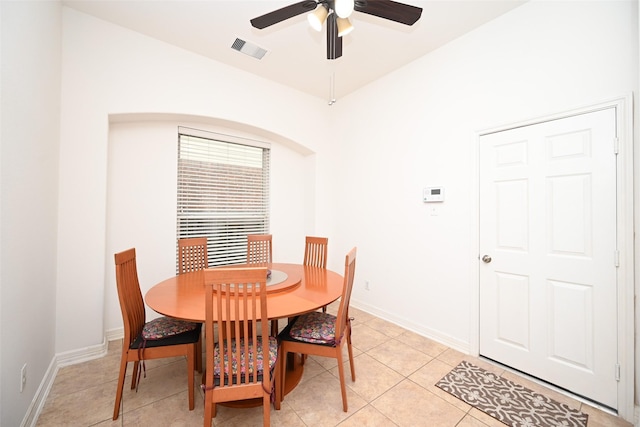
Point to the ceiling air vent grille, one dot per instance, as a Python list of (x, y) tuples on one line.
[(248, 48)]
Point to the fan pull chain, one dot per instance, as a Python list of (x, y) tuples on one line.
[(332, 89)]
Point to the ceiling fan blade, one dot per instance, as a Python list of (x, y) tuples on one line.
[(286, 12), (387, 9), (334, 43)]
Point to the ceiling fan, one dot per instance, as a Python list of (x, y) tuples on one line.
[(336, 13)]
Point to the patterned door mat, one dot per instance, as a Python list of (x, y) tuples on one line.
[(506, 401)]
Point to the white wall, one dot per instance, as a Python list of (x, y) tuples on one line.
[(417, 128), (111, 75), (29, 141), (543, 57)]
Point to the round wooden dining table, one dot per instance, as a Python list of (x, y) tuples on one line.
[(292, 289)]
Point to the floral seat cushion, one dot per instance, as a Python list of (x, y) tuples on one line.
[(255, 351), (164, 327), (315, 327)]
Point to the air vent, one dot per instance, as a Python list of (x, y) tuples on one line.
[(248, 48)]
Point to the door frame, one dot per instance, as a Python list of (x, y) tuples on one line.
[(625, 237)]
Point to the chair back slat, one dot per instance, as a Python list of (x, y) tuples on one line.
[(129, 294), (192, 254), (259, 249), (315, 251)]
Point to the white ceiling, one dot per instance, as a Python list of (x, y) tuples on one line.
[(297, 54)]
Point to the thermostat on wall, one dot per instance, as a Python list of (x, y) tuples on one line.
[(433, 194)]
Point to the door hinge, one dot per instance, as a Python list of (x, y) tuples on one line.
[(616, 258), (616, 145), (617, 372)]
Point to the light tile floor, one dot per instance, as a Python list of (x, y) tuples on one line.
[(395, 375)]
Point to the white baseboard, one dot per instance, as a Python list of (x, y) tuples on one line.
[(73, 357), (447, 340), (65, 359), (31, 417), (114, 334)]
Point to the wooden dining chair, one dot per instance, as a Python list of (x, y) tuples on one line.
[(242, 358), (192, 254), (259, 249), (322, 334), (160, 338)]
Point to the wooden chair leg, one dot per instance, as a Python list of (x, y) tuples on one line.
[(199, 356), (266, 410), (276, 379), (343, 387), (351, 363), (208, 410), (191, 361), (123, 373), (134, 374), (281, 375)]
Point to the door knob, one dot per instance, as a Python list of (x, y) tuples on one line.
[(486, 259)]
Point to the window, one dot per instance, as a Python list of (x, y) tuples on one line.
[(223, 192)]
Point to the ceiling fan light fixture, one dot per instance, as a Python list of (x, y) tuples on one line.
[(343, 8), (317, 17), (344, 26)]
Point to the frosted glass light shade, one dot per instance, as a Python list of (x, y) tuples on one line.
[(343, 8), (344, 26), (317, 17)]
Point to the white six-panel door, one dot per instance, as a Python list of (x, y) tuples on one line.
[(548, 230)]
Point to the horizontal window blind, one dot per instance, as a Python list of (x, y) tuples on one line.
[(223, 194)]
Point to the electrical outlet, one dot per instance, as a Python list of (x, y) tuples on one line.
[(366, 285), (23, 377)]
